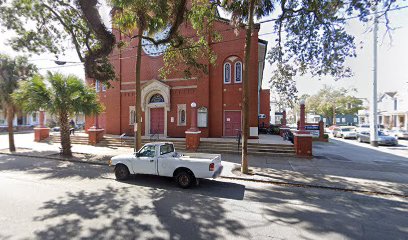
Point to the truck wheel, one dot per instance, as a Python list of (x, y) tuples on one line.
[(121, 172), (184, 179)]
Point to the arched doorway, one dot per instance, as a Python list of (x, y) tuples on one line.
[(156, 114), (155, 105)]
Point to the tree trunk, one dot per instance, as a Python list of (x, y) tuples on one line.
[(10, 117), (138, 107), (64, 131), (245, 90), (334, 115)]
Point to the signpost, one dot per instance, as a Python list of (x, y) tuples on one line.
[(314, 130)]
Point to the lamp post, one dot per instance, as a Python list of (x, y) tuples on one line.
[(302, 116), (193, 126), (42, 118)]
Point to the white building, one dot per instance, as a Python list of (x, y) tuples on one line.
[(392, 111), (21, 120)]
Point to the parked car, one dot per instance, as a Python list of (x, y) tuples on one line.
[(344, 132), (160, 158), (398, 133), (366, 128), (383, 139)]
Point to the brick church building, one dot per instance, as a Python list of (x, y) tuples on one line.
[(166, 103)]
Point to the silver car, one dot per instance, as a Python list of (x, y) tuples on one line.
[(344, 132), (399, 134), (383, 139)]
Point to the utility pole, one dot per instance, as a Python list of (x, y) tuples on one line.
[(374, 118)]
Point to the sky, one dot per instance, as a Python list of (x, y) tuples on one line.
[(392, 58)]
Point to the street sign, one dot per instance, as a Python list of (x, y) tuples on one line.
[(312, 127)]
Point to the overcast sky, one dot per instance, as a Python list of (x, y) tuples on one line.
[(392, 58)]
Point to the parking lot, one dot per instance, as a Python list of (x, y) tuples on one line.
[(400, 150)]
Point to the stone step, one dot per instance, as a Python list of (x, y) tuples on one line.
[(270, 147), (249, 144), (273, 154), (249, 150)]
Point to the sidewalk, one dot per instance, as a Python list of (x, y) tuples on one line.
[(328, 171)]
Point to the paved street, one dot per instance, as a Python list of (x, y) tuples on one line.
[(48, 199)]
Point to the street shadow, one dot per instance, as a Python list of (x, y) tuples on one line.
[(123, 211), (338, 164), (206, 187), (333, 214), (51, 169)]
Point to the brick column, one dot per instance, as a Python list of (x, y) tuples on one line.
[(193, 134), (283, 128), (95, 134), (303, 145), (41, 132), (302, 116)]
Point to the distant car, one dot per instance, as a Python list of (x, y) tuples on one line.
[(383, 139), (398, 133), (344, 132), (366, 128)]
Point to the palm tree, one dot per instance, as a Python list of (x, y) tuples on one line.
[(62, 96), (11, 72)]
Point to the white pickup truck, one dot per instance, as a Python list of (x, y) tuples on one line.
[(160, 158)]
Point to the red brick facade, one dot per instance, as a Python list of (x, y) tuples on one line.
[(209, 92)]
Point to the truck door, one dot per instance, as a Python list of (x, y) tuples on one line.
[(145, 163)]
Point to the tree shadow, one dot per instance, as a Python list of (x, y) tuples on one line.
[(329, 214), (126, 211), (50, 169), (207, 187), (339, 165)]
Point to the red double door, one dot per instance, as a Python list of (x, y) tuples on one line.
[(232, 123), (156, 120)]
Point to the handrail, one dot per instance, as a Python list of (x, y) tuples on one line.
[(238, 139), (155, 134)]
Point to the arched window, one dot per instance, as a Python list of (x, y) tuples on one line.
[(238, 72), (227, 73), (156, 98), (182, 116)]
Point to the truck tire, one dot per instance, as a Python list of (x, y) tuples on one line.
[(121, 172), (184, 179)]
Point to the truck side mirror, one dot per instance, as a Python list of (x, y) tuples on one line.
[(137, 154)]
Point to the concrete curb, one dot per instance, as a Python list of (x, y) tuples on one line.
[(305, 185), (291, 184)]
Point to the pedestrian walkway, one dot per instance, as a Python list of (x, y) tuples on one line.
[(386, 173)]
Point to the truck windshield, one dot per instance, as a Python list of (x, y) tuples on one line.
[(147, 151), (166, 148)]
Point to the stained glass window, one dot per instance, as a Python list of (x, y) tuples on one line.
[(238, 72), (227, 73), (156, 98)]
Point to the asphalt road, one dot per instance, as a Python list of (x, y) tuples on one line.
[(47, 199)]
